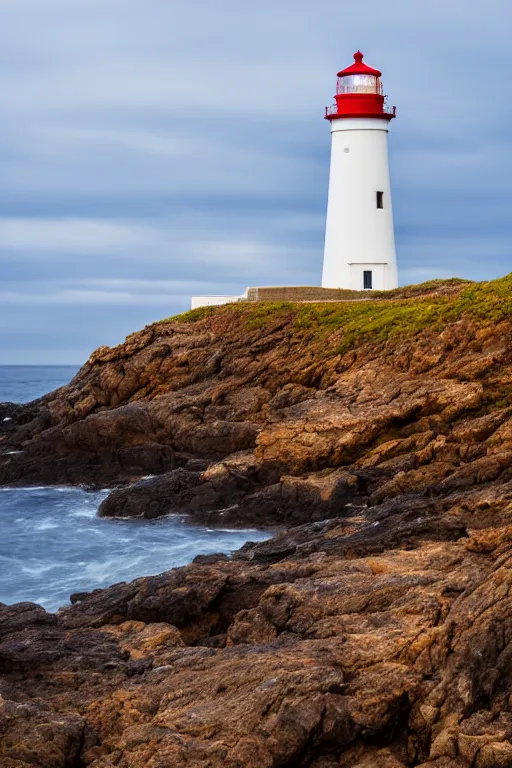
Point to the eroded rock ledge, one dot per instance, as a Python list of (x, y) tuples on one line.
[(373, 631)]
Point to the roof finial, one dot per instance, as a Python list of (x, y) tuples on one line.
[(358, 57)]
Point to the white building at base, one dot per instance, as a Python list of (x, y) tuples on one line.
[(215, 301)]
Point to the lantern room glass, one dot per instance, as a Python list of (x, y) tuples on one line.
[(359, 84)]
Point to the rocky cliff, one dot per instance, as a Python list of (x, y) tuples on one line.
[(373, 630)]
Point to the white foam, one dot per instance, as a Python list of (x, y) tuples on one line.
[(23, 488), (88, 513), (237, 530), (100, 572), (37, 570), (46, 525)]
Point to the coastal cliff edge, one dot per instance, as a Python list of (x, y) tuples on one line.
[(372, 631)]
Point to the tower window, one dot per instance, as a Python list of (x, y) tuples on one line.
[(380, 199), (367, 280)]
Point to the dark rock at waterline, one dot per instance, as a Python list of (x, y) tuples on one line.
[(14, 416), (169, 493), (203, 495), (215, 557), (105, 448), (230, 493)]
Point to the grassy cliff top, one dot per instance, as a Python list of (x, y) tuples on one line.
[(401, 312)]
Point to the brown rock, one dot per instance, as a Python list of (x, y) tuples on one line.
[(373, 629)]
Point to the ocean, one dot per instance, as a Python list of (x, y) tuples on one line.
[(23, 383), (53, 544)]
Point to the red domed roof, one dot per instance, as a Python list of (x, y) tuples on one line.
[(358, 68)]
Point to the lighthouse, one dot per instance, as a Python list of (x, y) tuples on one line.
[(359, 239)]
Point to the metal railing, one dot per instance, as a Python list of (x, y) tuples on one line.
[(387, 110), (332, 110)]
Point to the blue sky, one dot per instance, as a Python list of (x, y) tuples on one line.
[(155, 149)]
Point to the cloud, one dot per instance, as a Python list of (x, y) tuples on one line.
[(161, 244), (25, 237), (74, 297)]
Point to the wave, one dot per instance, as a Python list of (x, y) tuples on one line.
[(38, 570), (46, 525), (90, 514), (53, 543)]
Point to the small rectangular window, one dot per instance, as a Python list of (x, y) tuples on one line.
[(367, 280), (380, 199)]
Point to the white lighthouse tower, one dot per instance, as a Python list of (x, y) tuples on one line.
[(359, 238)]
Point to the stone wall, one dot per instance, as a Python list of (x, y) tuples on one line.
[(300, 293)]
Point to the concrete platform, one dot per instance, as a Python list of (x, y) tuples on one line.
[(280, 293)]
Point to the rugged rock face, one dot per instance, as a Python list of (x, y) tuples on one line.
[(373, 631), (379, 640), (376, 387)]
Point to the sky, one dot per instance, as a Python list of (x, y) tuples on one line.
[(151, 150)]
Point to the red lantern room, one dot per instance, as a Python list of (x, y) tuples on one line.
[(359, 93)]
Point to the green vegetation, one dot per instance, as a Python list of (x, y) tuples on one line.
[(402, 312), (192, 315), (440, 287), (262, 313), (377, 320), (485, 303)]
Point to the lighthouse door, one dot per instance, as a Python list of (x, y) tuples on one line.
[(367, 277)]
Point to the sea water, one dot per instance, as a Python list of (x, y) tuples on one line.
[(52, 543), (23, 383)]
